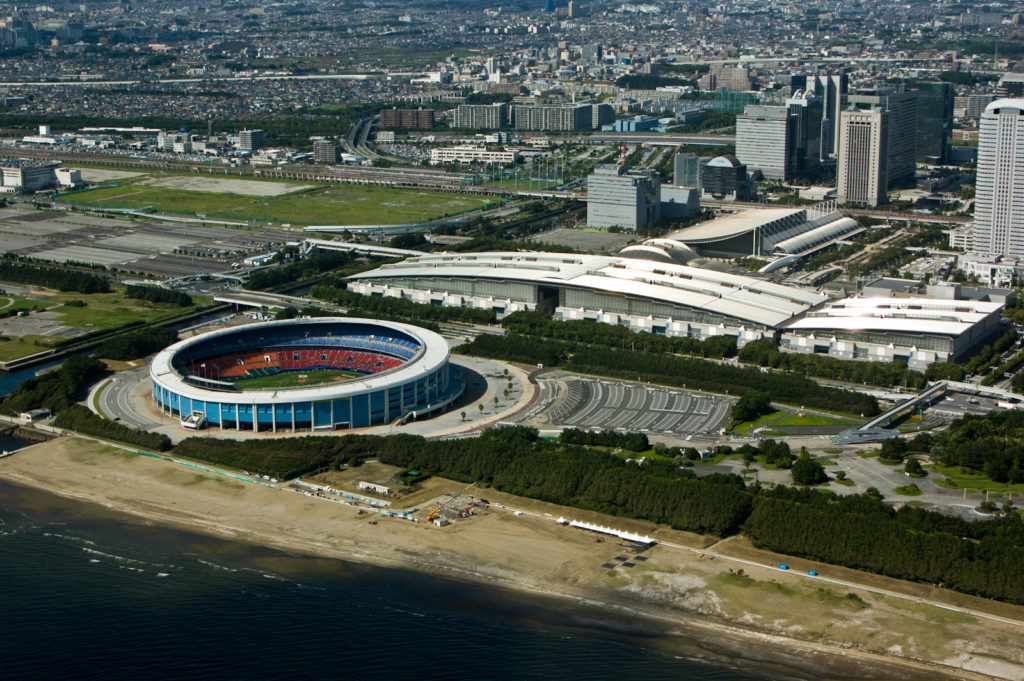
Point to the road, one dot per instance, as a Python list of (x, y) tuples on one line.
[(115, 399)]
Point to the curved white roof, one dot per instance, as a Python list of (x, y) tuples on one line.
[(818, 235), (747, 299), (1009, 103), (933, 316), (434, 356), (729, 226)]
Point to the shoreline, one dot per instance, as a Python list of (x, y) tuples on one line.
[(687, 596)]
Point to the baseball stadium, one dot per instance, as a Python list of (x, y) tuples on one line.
[(299, 375)]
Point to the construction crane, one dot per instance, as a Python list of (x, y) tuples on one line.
[(437, 511)]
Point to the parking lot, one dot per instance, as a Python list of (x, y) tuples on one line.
[(568, 400), (162, 250)]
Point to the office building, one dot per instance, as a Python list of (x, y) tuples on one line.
[(687, 170), (325, 152), (832, 89), (863, 157), (999, 195), (934, 121), (250, 140), (407, 118), (1010, 85), (471, 154), (971, 106), (901, 144), (26, 175), (808, 109), (766, 141), (724, 178), (482, 116), (618, 197)]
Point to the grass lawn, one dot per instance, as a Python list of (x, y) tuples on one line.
[(959, 478), (20, 347), (794, 419), (288, 379), (345, 204), (745, 427), (352, 204), (130, 195)]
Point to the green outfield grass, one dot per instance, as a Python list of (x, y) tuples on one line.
[(813, 420), (344, 204), (292, 379)]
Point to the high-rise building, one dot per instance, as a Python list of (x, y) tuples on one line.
[(934, 121), (482, 116), (971, 106), (863, 156), (832, 88), (901, 145), (999, 195), (250, 140), (618, 197), (407, 118), (687, 170), (809, 111), (553, 118), (766, 141), (325, 152)]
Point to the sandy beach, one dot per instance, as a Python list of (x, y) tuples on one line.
[(745, 610)]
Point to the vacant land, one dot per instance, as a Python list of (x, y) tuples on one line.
[(279, 202), (291, 379), (38, 331)]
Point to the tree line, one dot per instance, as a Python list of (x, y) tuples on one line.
[(303, 269), (157, 294), (992, 444), (633, 442), (80, 419), (670, 370), (52, 277), (399, 307), (57, 389), (766, 353), (542, 325), (137, 344), (984, 558), (514, 460), (859, 531)]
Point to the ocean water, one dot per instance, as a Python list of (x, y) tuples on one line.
[(85, 594)]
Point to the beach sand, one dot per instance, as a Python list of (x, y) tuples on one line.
[(743, 611)]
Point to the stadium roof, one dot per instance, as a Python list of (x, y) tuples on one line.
[(733, 225), (929, 316), (747, 299), (435, 353)]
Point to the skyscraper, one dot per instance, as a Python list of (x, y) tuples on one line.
[(934, 121), (325, 151), (766, 140), (863, 156), (687, 170), (999, 196), (832, 89), (809, 111), (901, 145)]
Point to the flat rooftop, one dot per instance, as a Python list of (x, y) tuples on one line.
[(932, 316)]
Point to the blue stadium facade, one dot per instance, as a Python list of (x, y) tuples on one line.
[(404, 372)]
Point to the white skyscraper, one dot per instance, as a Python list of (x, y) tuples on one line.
[(863, 154), (766, 140), (999, 195)]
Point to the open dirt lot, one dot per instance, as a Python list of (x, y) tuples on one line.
[(220, 186)]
